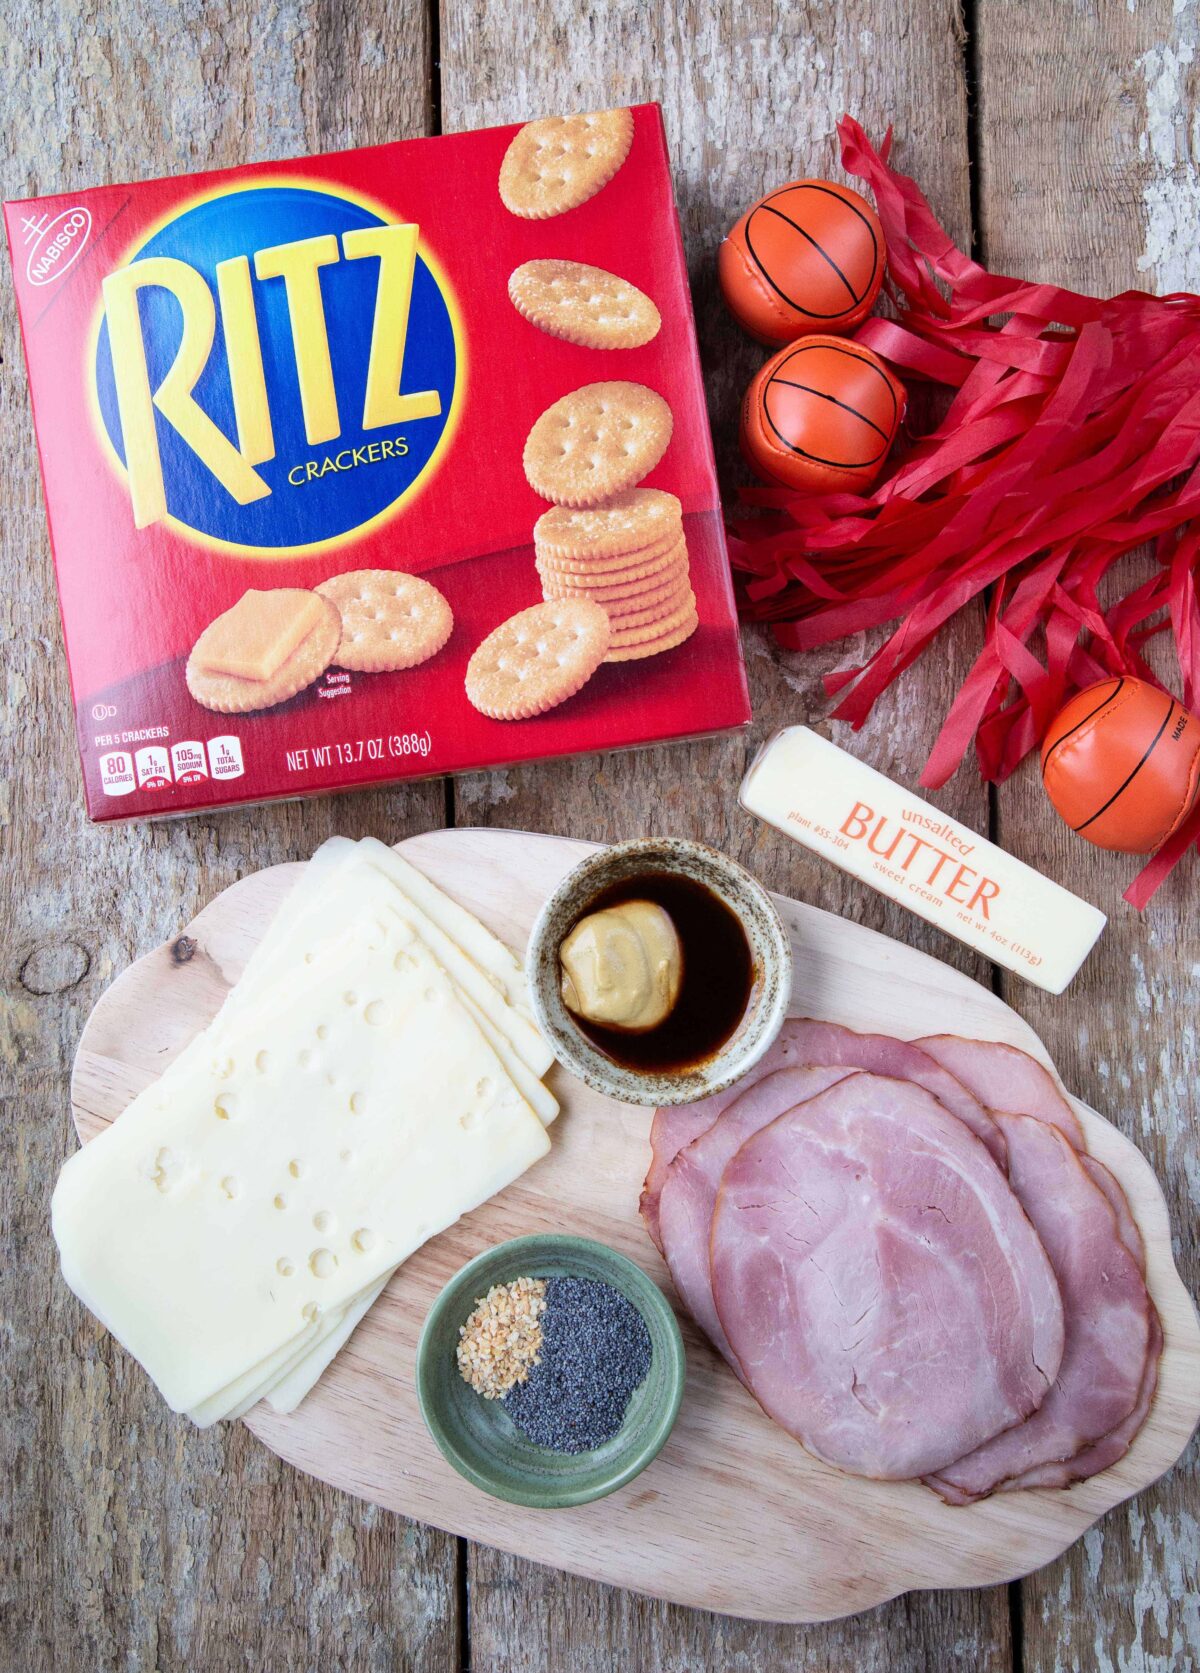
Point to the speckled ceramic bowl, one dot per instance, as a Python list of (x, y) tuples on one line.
[(477, 1435), (769, 948)]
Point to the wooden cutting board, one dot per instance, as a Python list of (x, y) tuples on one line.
[(733, 1515)]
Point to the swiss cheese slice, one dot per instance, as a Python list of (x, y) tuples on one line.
[(345, 879), (539, 1097), (265, 1184), (286, 1393), (246, 1390), (286, 1387), (498, 961), (294, 1371)]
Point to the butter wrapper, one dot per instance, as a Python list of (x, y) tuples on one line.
[(917, 855)]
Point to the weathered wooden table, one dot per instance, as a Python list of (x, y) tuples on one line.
[(1063, 138)]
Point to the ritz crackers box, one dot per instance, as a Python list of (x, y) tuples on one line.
[(264, 408)]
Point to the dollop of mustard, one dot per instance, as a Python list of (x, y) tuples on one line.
[(622, 967)]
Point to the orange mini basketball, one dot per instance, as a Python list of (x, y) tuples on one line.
[(1121, 763), (821, 415), (806, 258)]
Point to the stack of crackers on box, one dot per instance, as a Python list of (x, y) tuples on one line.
[(611, 556), (628, 555)]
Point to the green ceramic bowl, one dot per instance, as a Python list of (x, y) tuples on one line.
[(477, 1435)]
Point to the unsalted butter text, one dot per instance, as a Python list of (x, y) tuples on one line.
[(916, 857)]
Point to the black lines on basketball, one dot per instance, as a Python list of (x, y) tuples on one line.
[(1108, 697), (808, 257), (1124, 785), (785, 279), (832, 404)]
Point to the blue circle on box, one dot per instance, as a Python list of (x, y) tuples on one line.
[(240, 223)]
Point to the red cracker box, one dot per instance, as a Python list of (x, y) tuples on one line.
[(252, 384)]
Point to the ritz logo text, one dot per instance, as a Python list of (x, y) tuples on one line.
[(271, 339)]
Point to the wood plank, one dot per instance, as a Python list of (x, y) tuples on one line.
[(750, 97), (137, 1541), (1087, 178)]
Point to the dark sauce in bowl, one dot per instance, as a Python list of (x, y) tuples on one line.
[(718, 976)]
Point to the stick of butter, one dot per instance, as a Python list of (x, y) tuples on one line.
[(941, 870)]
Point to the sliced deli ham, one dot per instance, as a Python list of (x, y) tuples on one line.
[(670, 1131), (828, 1044), (1113, 1446), (824, 1044), (1127, 1226), (885, 1296), (1107, 1314), (1008, 1078), (674, 1128), (685, 1204), (1005, 1078), (1110, 1448)]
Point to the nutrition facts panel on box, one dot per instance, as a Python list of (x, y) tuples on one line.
[(160, 765)]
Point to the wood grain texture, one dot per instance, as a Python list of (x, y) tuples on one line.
[(1088, 177), (750, 96), (134, 1541), (732, 1515)]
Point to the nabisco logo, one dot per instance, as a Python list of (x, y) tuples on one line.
[(56, 245)]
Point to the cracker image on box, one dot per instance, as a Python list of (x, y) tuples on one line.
[(622, 566), (538, 658), (644, 609), (628, 522), (583, 304), (605, 582), (596, 442), (670, 627), (559, 162), (601, 553), (618, 587), (666, 641), (390, 620), (263, 650)]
